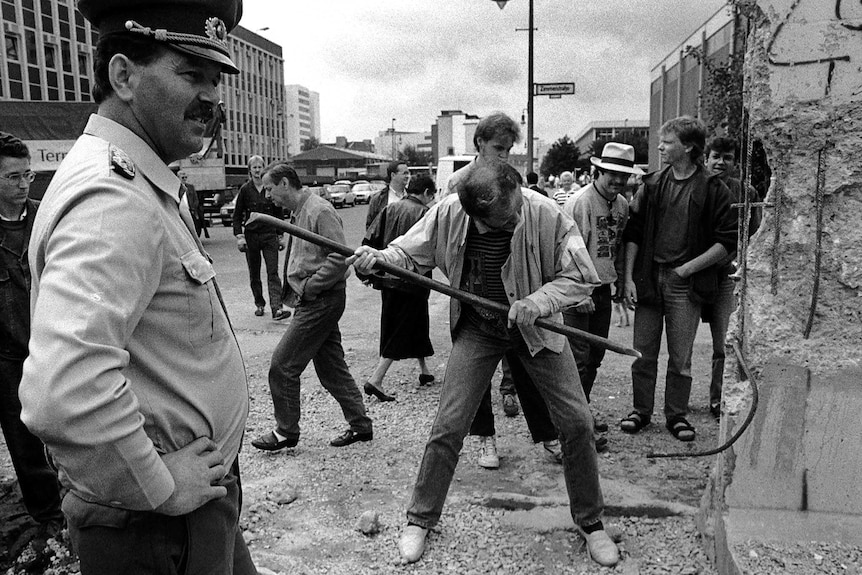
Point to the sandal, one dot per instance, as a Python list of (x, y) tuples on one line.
[(634, 422), (680, 428)]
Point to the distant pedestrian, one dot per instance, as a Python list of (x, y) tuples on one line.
[(317, 278), (681, 226), (188, 192), (721, 160), (601, 212), (533, 183), (398, 176), (264, 242), (38, 482), (404, 323), (567, 187), (470, 235)]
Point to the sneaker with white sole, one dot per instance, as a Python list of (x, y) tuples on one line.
[(555, 449), (412, 543), (601, 548), (488, 457)]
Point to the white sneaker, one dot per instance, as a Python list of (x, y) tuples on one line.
[(412, 543), (554, 448), (488, 457), (601, 548)]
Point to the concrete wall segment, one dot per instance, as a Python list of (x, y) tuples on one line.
[(815, 48)]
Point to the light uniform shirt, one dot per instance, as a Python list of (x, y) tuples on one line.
[(131, 353)]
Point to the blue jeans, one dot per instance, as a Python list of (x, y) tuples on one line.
[(265, 245), (38, 482), (725, 303), (535, 411), (589, 357), (313, 335), (682, 317), (472, 362)]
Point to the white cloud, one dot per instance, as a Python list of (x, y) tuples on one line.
[(374, 60)]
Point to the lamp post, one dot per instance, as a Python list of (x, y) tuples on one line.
[(530, 26), (392, 129)]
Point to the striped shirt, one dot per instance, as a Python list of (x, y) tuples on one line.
[(485, 254)]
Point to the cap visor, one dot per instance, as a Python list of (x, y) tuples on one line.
[(228, 67)]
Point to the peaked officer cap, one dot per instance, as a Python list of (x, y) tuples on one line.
[(197, 27)]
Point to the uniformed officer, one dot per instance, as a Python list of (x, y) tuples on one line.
[(139, 390)]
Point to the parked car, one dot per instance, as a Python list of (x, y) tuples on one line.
[(378, 185), (341, 196), (226, 213), (344, 182), (363, 192), (320, 191)]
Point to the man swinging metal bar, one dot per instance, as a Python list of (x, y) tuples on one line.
[(466, 297)]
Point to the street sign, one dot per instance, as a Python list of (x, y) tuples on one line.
[(554, 90)]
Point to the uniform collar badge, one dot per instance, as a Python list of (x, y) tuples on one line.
[(122, 163)]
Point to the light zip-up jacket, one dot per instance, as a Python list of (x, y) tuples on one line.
[(548, 263)]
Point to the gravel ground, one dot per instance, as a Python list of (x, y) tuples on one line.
[(302, 505)]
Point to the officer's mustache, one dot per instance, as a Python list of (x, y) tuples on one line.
[(203, 111)]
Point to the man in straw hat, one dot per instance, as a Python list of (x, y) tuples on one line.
[(681, 226), (601, 211), (478, 237), (139, 392)]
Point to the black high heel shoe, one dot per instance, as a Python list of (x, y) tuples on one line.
[(425, 379), (371, 389)]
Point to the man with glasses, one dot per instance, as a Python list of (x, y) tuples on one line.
[(479, 238), (38, 482), (600, 210)]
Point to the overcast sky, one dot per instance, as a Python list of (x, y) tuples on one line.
[(374, 60)]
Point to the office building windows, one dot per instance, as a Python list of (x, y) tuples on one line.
[(29, 13), (7, 9), (12, 47)]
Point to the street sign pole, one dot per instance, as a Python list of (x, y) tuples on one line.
[(530, 92)]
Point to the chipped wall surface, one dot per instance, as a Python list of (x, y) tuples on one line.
[(804, 76)]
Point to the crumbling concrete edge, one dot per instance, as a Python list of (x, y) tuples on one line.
[(652, 508)]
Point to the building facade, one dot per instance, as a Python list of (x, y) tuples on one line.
[(47, 52), (254, 101), (677, 81), (391, 142), (47, 56), (452, 134), (608, 130), (302, 115)]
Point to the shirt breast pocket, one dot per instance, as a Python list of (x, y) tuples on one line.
[(205, 321)]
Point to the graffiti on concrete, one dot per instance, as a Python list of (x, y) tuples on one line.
[(819, 33)]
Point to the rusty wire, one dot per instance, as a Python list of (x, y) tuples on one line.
[(755, 399), (778, 198), (818, 240)]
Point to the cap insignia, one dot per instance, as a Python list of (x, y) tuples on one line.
[(122, 163), (215, 29)]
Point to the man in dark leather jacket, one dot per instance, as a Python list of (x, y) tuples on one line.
[(681, 226)]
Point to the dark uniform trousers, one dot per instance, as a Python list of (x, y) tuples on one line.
[(207, 541)]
